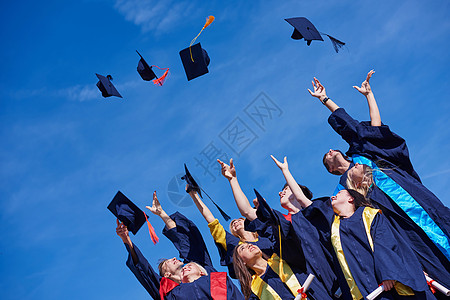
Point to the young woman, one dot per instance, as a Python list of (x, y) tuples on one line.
[(281, 275), (226, 241), (316, 260), (380, 165)]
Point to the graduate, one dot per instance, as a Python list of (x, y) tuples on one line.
[(197, 280), (226, 241), (281, 275), (309, 250), (378, 164)]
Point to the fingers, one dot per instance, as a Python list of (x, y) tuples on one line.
[(231, 163), (274, 159), (310, 92), (285, 159), (220, 162), (369, 75), (357, 88), (118, 223)]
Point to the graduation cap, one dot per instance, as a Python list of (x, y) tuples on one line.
[(147, 73), (304, 29), (193, 186), (131, 215), (105, 86), (195, 59)]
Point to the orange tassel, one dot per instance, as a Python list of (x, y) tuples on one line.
[(208, 21), (152, 232)]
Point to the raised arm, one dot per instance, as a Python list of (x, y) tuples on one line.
[(292, 183), (320, 93), (204, 210), (122, 232), (229, 172), (375, 118), (159, 211)]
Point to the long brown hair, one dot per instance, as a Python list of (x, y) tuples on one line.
[(243, 274)]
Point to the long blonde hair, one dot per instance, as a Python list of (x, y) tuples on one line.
[(255, 234), (364, 185)]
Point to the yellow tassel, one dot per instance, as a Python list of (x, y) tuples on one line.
[(283, 276)]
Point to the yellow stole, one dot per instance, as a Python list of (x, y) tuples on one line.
[(265, 291), (368, 216)]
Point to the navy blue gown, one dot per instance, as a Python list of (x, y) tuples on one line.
[(191, 247), (418, 211), (390, 259), (304, 256)]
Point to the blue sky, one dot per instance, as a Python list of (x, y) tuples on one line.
[(66, 150)]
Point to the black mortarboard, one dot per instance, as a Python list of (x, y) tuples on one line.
[(195, 61), (304, 29), (145, 70), (127, 212), (193, 186), (105, 86)]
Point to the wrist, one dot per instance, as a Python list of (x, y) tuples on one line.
[(324, 100)]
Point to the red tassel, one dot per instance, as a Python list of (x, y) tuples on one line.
[(160, 81), (152, 232)]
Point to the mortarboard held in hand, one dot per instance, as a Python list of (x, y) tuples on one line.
[(131, 215), (147, 73), (105, 86), (193, 186), (195, 59), (304, 29)]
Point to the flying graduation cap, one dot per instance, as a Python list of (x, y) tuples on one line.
[(131, 215), (105, 86), (147, 73), (304, 29), (195, 59), (193, 186)]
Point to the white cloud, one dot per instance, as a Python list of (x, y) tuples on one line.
[(152, 15)]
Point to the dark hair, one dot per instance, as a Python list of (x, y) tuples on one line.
[(305, 190), (358, 199), (160, 266), (328, 167)]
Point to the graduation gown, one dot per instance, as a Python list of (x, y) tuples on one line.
[(303, 257), (414, 211), (226, 242), (370, 255), (191, 247)]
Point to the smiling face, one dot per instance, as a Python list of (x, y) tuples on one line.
[(248, 253), (191, 272), (237, 226), (171, 267)]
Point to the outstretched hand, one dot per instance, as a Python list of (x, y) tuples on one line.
[(365, 86), (122, 231), (156, 206), (282, 166), (319, 90), (228, 171)]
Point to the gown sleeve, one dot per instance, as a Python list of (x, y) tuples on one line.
[(144, 273), (376, 142), (188, 240)]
